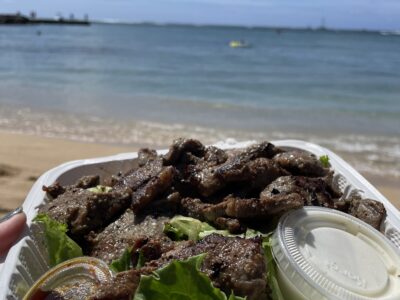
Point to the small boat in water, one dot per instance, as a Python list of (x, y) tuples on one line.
[(239, 44)]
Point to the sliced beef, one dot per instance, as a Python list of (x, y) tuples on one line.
[(181, 146), (250, 166), (126, 232), (85, 182), (313, 191), (232, 263), (155, 187), (301, 163), (238, 208), (88, 181), (138, 177), (122, 287), (145, 155), (54, 190), (215, 156), (370, 211), (84, 211)]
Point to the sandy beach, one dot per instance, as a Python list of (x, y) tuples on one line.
[(23, 158)]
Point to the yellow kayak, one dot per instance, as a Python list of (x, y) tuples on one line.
[(238, 44)]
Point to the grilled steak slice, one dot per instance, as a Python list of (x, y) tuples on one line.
[(232, 263), (370, 211), (301, 163), (238, 208), (250, 166), (54, 190), (126, 232), (181, 146), (145, 155), (313, 191), (88, 181), (84, 182), (155, 187), (122, 287), (84, 211), (259, 208), (138, 177)]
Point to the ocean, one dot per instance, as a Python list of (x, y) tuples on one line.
[(146, 84)]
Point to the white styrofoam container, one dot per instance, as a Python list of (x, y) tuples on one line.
[(27, 259)]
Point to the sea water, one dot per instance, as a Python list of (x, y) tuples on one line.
[(340, 89)]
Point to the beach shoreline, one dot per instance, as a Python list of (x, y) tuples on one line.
[(24, 157)]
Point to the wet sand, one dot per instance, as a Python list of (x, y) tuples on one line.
[(23, 158)]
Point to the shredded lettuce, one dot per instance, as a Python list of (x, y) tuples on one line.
[(124, 263), (100, 189), (272, 279), (185, 228), (324, 159), (60, 246), (180, 280)]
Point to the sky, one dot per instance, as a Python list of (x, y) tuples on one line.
[(351, 14)]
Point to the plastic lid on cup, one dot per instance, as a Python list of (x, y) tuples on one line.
[(326, 254)]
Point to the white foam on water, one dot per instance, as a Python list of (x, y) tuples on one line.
[(377, 155)]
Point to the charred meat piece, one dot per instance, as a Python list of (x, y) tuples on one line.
[(181, 146), (215, 156), (166, 205), (88, 181), (83, 210), (245, 167), (313, 191), (126, 232), (232, 263), (370, 211), (232, 225), (258, 208), (122, 287), (145, 155), (85, 182), (301, 163), (138, 177), (238, 208), (54, 190), (235, 167), (155, 187)]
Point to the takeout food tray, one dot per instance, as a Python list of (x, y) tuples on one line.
[(27, 260)]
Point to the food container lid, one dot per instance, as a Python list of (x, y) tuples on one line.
[(72, 279), (322, 253)]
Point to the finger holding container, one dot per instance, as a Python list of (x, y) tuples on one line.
[(11, 226)]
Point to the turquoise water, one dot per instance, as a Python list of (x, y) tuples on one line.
[(322, 84)]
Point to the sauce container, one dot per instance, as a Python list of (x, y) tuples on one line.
[(326, 254), (73, 279)]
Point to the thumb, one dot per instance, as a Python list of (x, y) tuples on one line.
[(10, 229)]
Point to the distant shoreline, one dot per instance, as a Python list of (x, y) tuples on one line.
[(278, 29), (18, 19)]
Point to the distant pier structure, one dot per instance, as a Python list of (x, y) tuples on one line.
[(18, 18)]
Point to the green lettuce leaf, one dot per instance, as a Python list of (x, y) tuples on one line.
[(184, 228), (276, 293), (60, 246), (324, 159), (100, 189), (180, 280), (124, 263)]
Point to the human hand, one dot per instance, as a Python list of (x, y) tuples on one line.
[(11, 226)]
